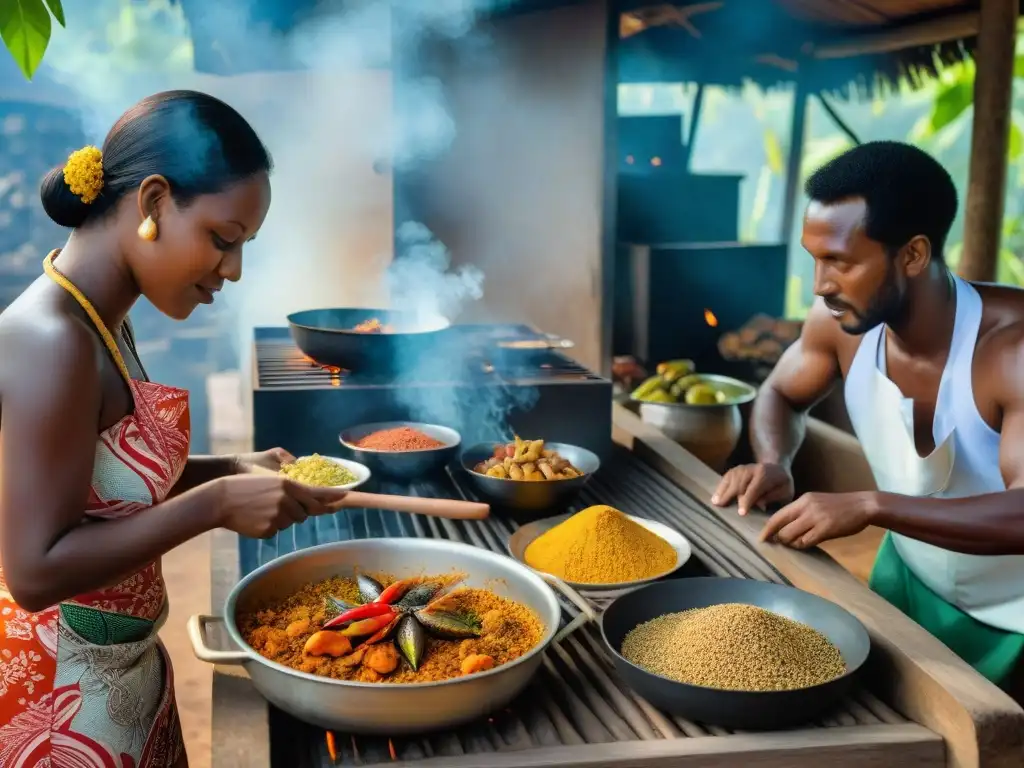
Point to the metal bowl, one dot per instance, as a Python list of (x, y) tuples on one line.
[(745, 710), (361, 471), (711, 432), (525, 535), (530, 495), (403, 465), (382, 708)]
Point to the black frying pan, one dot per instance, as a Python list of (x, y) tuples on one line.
[(744, 710), (328, 336)]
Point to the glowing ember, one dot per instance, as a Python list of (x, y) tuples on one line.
[(710, 319), (332, 748)]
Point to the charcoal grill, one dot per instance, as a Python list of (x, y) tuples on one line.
[(577, 699), (471, 384)]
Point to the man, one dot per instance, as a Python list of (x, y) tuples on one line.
[(933, 371)]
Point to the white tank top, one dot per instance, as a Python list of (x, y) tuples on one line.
[(965, 462)]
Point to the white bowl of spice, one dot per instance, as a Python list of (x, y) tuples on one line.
[(327, 472), (600, 548)]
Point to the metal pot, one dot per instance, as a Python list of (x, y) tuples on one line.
[(709, 432), (402, 465), (382, 708), (745, 710), (328, 336), (530, 496)]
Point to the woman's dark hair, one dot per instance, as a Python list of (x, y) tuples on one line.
[(198, 143), (906, 191)]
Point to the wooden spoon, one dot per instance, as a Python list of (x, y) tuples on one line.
[(417, 505)]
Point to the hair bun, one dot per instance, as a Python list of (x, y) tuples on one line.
[(68, 191), (60, 203)]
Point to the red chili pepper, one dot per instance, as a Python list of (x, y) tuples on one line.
[(378, 636), (366, 611), (369, 626), (396, 590)]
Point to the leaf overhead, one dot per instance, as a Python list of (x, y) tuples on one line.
[(57, 10), (25, 29)]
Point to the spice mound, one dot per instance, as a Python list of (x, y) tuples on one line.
[(316, 470), (379, 630), (734, 647), (398, 439), (600, 545), (526, 460)]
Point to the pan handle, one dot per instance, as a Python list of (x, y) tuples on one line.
[(197, 635), (586, 614)]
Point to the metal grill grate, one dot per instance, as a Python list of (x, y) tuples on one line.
[(577, 697), (474, 354)]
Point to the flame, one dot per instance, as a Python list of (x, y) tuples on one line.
[(332, 748), (655, 161), (710, 319), (391, 750)]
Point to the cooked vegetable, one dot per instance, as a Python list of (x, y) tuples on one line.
[(677, 383), (527, 460)]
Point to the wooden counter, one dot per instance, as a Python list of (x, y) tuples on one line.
[(918, 676)]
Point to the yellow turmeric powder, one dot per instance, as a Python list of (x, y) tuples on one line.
[(600, 545)]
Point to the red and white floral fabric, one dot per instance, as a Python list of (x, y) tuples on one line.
[(68, 703)]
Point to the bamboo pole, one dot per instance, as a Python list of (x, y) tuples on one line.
[(986, 188), (796, 153)]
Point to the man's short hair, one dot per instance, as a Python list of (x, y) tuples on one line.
[(906, 191)]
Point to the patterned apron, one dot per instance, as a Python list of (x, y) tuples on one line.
[(87, 683)]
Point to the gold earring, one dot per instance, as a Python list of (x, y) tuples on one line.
[(147, 229)]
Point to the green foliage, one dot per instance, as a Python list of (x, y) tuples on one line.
[(25, 27)]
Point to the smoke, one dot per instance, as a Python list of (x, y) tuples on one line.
[(421, 279), (330, 235)]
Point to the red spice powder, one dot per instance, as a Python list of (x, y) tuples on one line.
[(398, 439)]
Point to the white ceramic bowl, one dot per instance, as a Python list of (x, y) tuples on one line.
[(361, 471)]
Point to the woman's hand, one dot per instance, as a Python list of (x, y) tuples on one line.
[(272, 460), (259, 505)]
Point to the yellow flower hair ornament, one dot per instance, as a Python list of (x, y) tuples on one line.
[(83, 173)]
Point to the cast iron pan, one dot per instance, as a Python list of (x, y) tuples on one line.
[(328, 336), (744, 710)]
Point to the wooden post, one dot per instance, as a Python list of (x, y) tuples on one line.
[(796, 154), (986, 188)]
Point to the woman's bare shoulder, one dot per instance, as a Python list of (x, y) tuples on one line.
[(39, 337)]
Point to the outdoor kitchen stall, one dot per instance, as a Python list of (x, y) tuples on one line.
[(332, 381)]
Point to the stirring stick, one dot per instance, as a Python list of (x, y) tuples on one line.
[(415, 505)]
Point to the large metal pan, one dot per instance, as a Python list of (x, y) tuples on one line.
[(382, 708), (746, 710), (328, 336)]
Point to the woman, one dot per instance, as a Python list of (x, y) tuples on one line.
[(96, 483)]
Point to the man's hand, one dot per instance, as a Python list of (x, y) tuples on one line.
[(754, 485), (818, 517), (272, 460)]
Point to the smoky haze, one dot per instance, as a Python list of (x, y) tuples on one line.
[(328, 240)]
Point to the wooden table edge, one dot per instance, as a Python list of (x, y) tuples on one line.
[(240, 730)]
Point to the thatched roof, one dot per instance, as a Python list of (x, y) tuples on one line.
[(845, 46), (841, 46)]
